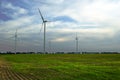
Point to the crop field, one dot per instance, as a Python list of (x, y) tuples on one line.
[(60, 67)]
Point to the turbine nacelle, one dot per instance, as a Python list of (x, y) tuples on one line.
[(45, 21)]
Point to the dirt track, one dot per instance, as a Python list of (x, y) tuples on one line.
[(7, 74)]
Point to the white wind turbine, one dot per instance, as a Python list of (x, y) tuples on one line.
[(15, 41), (76, 43), (44, 24)]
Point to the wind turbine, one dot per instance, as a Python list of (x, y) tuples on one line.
[(44, 23), (76, 43), (15, 41)]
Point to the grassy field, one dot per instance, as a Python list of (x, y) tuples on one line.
[(66, 66)]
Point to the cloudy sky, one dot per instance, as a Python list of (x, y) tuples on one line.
[(96, 22)]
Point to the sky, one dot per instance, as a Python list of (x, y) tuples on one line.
[(96, 23)]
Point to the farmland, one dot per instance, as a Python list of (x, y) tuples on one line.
[(60, 67)]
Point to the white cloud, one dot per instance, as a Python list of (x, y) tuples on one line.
[(16, 10), (60, 39), (96, 11)]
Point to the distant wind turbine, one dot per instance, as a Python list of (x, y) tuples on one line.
[(76, 43), (44, 23), (15, 41)]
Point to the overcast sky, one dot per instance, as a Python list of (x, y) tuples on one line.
[(96, 22)]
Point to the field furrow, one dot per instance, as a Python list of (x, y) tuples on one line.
[(7, 74)]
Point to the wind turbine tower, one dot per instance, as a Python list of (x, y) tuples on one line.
[(76, 43), (15, 41), (44, 24)]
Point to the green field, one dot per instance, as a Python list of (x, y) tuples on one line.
[(66, 66)]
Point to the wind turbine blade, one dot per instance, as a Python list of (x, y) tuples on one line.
[(41, 15)]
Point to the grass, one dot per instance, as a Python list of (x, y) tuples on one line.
[(67, 66)]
